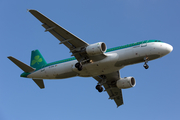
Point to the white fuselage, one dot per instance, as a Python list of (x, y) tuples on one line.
[(114, 61)]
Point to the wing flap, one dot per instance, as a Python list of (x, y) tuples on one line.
[(115, 94), (59, 37)]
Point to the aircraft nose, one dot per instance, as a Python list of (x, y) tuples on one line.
[(169, 48), (165, 49)]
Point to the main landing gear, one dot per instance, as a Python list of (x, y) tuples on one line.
[(146, 66), (78, 66), (99, 86)]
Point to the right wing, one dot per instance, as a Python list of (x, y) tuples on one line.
[(68, 39), (111, 88)]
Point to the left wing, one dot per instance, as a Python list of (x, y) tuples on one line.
[(68, 39), (111, 88)]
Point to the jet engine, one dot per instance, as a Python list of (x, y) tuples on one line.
[(96, 49), (127, 82)]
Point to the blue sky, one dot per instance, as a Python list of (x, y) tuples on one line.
[(117, 22)]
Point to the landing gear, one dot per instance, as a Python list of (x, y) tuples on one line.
[(146, 66), (78, 66), (99, 88), (101, 82)]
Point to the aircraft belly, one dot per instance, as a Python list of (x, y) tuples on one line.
[(61, 71), (51, 71), (37, 74), (135, 60), (58, 71), (64, 70), (101, 67), (124, 56)]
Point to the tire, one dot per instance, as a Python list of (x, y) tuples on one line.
[(98, 87), (80, 68), (101, 89), (146, 66), (77, 65)]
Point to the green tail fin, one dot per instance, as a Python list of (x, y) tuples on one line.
[(37, 59)]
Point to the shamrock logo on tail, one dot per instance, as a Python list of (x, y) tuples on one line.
[(37, 60)]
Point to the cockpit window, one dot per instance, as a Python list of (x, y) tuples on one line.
[(157, 41)]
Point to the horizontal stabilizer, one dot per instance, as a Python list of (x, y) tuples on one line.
[(39, 82), (23, 66)]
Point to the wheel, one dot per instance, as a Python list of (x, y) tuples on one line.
[(146, 66), (80, 68), (99, 88), (77, 65)]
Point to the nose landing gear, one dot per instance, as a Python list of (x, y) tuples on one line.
[(146, 66)]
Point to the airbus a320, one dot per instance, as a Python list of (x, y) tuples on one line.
[(91, 60)]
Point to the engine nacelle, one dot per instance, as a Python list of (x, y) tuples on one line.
[(96, 49), (126, 82)]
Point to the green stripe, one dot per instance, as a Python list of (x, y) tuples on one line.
[(131, 45)]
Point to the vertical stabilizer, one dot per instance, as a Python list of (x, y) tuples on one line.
[(37, 59)]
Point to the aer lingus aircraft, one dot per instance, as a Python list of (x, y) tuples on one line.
[(91, 60)]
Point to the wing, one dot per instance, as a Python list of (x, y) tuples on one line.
[(68, 39), (111, 88)]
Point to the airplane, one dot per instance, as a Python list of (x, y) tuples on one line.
[(91, 60)]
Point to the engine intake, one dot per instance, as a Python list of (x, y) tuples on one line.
[(127, 82), (96, 49)]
